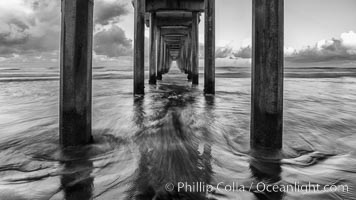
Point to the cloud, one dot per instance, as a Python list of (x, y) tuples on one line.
[(112, 43), (107, 13), (289, 51), (349, 42), (228, 52), (223, 52), (13, 32), (243, 52), (343, 48), (32, 27)]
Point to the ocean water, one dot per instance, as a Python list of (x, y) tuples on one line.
[(176, 136)]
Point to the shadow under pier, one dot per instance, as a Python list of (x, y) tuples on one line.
[(76, 179)]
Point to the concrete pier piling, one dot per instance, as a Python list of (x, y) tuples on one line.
[(76, 72), (160, 57), (267, 75), (209, 58), (139, 47), (153, 52), (195, 48), (164, 64), (157, 43), (189, 61), (168, 62)]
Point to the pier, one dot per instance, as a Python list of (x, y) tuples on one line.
[(174, 30)]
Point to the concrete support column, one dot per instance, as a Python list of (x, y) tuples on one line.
[(166, 61), (164, 64), (180, 60), (267, 75), (139, 48), (170, 60), (160, 57), (179, 63), (185, 55), (157, 43), (187, 52), (209, 58), (76, 72), (153, 55), (189, 59), (195, 49), (190, 55)]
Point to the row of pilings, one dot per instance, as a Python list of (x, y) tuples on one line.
[(174, 36)]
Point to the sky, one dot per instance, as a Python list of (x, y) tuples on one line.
[(314, 29)]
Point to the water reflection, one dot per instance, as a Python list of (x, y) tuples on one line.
[(139, 113), (209, 103), (76, 180), (266, 173), (209, 112), (318, 148), (170, 151)]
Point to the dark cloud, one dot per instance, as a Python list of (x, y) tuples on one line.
[(20, 24), (112, 43), (16, 33), (45, 11), (243, 52), (31, 34), (38, 33), (106, 13)]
